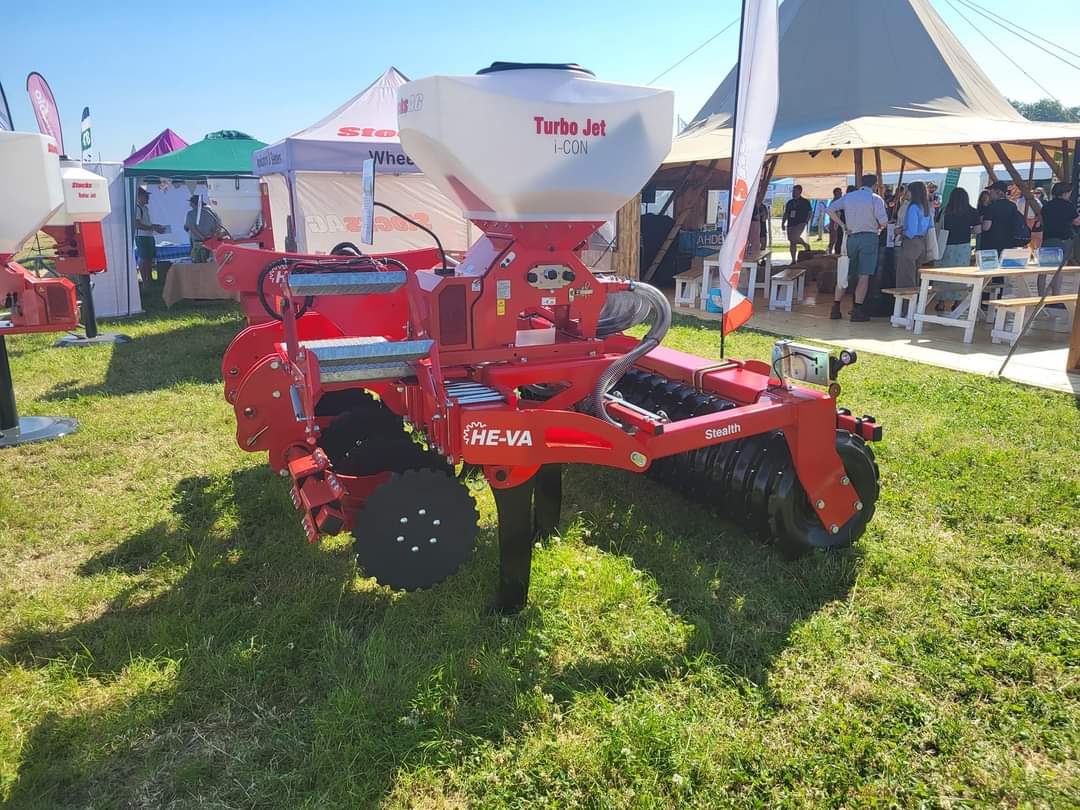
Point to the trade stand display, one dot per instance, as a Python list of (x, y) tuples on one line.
[(217, 169), (313, 180)]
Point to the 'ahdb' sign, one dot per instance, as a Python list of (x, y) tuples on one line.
[(701, 243)]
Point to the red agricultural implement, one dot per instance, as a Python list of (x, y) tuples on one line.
[(369, 379), (30, 170)]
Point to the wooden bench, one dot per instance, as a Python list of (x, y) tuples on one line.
[(790, 283), (1005, 331), (901, 295)]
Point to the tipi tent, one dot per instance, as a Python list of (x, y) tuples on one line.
[(313, 179), (166, 141), (884, 75)]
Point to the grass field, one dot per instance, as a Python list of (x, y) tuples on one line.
[(168, 638)]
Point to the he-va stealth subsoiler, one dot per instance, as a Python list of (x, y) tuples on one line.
[(514, 359)]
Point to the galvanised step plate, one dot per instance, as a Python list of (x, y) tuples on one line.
[(366, 350), (383, 281), (355, 372)]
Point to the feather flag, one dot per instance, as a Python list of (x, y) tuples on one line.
[(84, 129), (756, 101), (45, 109)]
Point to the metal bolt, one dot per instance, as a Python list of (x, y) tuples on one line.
[(834, 529), (275, 364), (820, 504), (404, 519), (858, 506), (249, 411), (421, 511), (415, 549), (433, 540), (436, 522), (283, 472), (401, 538), (276, 394), (845, 480), (233, 372)]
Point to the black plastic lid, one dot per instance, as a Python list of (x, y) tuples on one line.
[(499, 67)]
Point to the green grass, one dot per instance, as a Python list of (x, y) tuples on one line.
[(169, 639)]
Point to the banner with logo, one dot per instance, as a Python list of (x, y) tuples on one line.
[(704, 242), (84, 131), (45, 109), (5, 112), (756, 101), (327, 211)]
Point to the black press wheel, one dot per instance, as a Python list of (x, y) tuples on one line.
[(795, 524), (416, 529)]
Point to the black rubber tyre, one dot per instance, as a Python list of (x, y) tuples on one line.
[(395, 529), (794, 524)]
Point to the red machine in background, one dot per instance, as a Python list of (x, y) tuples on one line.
[(80, 245), (30, 173), (369, 379)]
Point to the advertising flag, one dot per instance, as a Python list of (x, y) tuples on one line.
[(5, 112), (45, 110), (87, 141), (756, 100)]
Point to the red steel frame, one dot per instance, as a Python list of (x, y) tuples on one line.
[(479, 338)]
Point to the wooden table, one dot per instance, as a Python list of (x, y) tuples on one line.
[(966, 315), (195, 282)]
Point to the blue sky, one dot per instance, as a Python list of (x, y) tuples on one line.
[(273, 67)]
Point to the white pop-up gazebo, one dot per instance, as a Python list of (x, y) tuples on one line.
[(313, 178)]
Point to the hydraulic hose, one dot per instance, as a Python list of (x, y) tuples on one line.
[(661, 310)]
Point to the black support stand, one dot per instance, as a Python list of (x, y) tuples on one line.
[(527, 512), (15, 430), (92, 336)]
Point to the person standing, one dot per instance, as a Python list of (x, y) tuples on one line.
[(1059, 217), (836, 232), (917, 221), (934, 197), (795, 218), (201, 224), (1035, 223), (144, 235), (960, 220), (1000, 219), (864, 217)]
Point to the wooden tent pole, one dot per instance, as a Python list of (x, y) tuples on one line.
[(858, 166), (678, 189), (880, 176), (1066, 163), (1055, 167), (990, 173), (1016, 178), (680, 215), (1030, 180), (902, 156)]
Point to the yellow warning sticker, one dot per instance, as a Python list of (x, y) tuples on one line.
[(500, 307)]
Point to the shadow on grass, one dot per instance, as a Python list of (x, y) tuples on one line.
[(248, 668), (741, 598), (158, 360)]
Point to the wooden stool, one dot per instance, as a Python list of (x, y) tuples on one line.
[(900, 295), (790, 283), (687, 288)]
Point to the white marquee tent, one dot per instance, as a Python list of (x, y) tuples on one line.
[(314, 177)]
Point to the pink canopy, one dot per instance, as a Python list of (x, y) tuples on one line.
[(167, 141)]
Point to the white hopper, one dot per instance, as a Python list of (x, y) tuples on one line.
[(529, 144), (86, 196), (30, 179)]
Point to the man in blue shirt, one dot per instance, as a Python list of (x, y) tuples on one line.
[(863, 218)]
